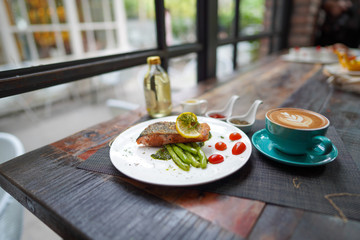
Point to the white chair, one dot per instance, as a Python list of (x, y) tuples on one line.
[(11, 212)]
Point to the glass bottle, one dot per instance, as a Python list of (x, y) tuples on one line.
[(157, 89)]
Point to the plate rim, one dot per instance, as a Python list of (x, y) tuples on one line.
[(341, 70), (289, 58), (184, 184), (289, 162)]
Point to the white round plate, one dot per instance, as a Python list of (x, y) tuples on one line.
[(337, 69), (135, 160)]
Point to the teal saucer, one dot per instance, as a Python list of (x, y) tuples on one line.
[(261, 141)]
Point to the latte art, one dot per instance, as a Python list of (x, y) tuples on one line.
[(294, 119), (297, 118)]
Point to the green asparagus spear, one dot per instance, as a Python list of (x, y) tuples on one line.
[(202, 156), (187, 148), (192, 159), (176, 159), (180, 153)]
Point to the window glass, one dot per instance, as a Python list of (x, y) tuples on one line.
[(121, 87), (80, 11), (23, 49), (224, 60), (248, 52), (225, 18), (2, 57), (101, 39), (141, 25), (97, 9), (252, 15), (38, 12), (264, 47), (180, 21), (65, 36), (84, 103), (182, 72), (60, 11), (45, 43), (14, 13), (47, 31)]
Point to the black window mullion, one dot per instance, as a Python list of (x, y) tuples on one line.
[(236, 31), (207, 29), (21, 83), (272, 26), (180, 50), (161, 32), (286, 11)]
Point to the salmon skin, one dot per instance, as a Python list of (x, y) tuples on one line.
[(161, 133)]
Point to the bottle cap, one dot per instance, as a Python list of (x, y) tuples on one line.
[(154, 60)]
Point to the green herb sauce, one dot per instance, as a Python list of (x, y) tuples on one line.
[(201, 144), (161, 154)]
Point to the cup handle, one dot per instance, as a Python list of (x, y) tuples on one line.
[(203, 103), (323, 149)]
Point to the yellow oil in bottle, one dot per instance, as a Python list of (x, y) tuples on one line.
[(157, 89)]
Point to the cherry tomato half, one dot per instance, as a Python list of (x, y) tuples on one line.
[(216, 158), (238, 148), (221, 146), (235, 136)]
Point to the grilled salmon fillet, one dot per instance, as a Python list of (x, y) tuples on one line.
[(161, 133)]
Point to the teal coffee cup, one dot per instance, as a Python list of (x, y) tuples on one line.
[(298, 131)]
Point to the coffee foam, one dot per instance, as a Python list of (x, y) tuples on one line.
[(297, 118)]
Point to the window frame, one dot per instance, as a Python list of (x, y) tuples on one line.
[(23, 80)]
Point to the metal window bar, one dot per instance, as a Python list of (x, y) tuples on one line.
[(236, 31), (161, 32), (271, 34), (272, 26), (286, 11), (207, 37), (18, 81)]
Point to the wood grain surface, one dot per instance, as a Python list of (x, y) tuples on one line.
[(79, 204)]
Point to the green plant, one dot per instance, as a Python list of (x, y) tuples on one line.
[(252, 12)]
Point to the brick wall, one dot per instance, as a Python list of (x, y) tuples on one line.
[(303, 22), (304, 15)]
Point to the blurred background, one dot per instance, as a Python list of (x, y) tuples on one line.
[(41, 32)]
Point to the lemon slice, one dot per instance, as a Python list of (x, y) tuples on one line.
[(187, 125)]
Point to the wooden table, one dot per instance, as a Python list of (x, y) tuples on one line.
[(79, 204)]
